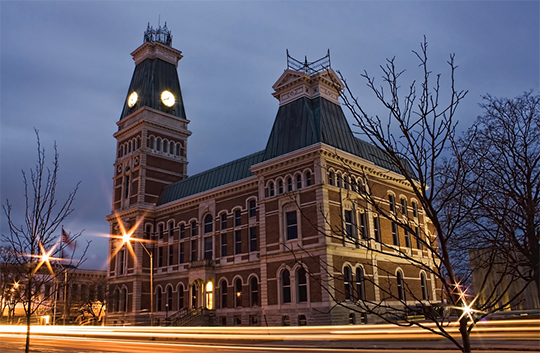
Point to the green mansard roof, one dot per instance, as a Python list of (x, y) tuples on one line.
[(300, 123)]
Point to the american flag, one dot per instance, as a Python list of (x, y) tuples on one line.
[(67, 240)]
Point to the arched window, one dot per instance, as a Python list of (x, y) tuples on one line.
[(339, 181), (289, 184), (238, 292), (347, 282), (208, 223), (280, 186), (177, 150), (254, 291), (180, 296), (158, 299), (423, 282), (308, 178), (116, 294), (169, 303), (158, 144), (354, 184), (130, 146), (138, 142), (148, 231), (223, 293), (360, 289), (347, 183), (171, 147), (301, 279), (165, 146), (271, 189), (286, 286), (332, 178), (352, 319), (298, 181), (151, 142), (400, 286)]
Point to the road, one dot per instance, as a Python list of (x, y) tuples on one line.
[(496, 336)]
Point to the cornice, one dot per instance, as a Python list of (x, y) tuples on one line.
[(124, 128), (152, 50), (286, 159)]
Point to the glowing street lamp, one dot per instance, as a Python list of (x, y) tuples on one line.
[(126, 239)]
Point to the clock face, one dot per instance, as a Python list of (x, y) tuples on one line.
[(167, 98), (132, 99)]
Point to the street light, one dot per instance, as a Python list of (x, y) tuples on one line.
[(126, 239)]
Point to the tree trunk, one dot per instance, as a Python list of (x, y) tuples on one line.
[(465, 338), (27, 348)]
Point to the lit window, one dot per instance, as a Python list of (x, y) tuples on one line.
[(292, 228), (238, 294)]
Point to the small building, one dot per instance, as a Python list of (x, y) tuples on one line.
[(271, 238)]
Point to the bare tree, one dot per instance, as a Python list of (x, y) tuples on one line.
[(34, 239), (93, 305), (504, 144), (417, 143), (8, 284)]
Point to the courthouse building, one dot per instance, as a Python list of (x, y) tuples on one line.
[(277, 237)]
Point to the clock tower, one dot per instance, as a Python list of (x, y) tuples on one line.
[(153, 129)]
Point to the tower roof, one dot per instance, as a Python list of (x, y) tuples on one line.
[(155, 72)]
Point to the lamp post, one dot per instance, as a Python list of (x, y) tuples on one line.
[(151, 283)]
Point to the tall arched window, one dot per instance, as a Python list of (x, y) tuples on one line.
[(223, 293), (254, 291), (165, 146), (286, 286), (177, 150), (238, 292), (158, 299), (116, 294), (308, 178), (271, 189), (332, 178), (360, 289), (158, 144), (400, 285), (423, 282), (138, 142), (289, 184), (123, 299), (180, 296), (280, 186), (298, 181), (208, 223), (151, 142), (347, 282), (171, 147), (169, 298), (301, 279)]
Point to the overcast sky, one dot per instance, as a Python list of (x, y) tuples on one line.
[(66, 67)]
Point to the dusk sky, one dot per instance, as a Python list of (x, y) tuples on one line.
[(66, 68)]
